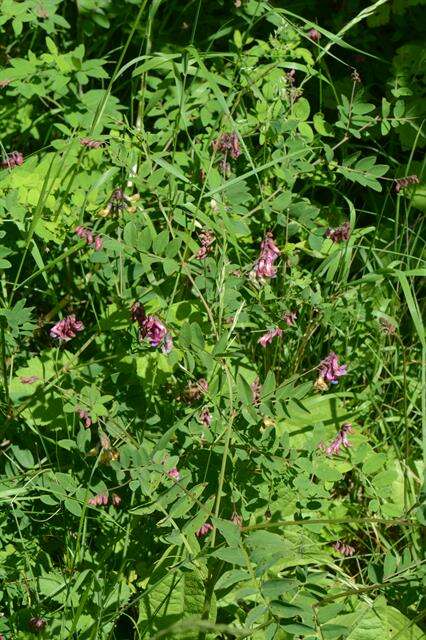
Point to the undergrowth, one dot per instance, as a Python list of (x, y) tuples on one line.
[(210, 320)]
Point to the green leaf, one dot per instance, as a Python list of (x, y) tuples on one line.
[(301, 109)]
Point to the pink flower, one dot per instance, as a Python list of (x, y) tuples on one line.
[(90, 144), (237, 519), (116, 500), (341, 440), (83, 415), (87, 235), (13, 159), (174, 474), (329, 369), (269, 336), (29, 379), (204, 529), (290, 318), (341, 234), (67, 328), (269, 252), (314, 35), (205, 417), (99, 243), (206, 239), (256, 389), (37, 624), (344, 549), (100, 500), (402, 183)]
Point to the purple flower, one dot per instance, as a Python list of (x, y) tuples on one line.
[(152, 329), (256, 389), (167, 345), (13, 159), (138, 312), (290, 318), (204, 529), (269, 336), (206, 239), (37, 624), (344, 549), (269, 252), (67, 328), (174, 474), (330, 370), (341, 440), (402, 183), (91, 144), (314, 35), (341, 234), (29, 379), (205, 417), (228, 142), (119, 202)]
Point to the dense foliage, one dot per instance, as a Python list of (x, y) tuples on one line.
[(210, 321)]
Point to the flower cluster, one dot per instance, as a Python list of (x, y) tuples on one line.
[(205, 417), (151, 329), (101, 500), (269, 253), (256, 390), (206, 239), (13, 159), (228, 142), (314, 35), (290, 318), (204, 529), (91, 144), (67, 328), (387, 327), (37, 624), (29, 379), (341, 234), (269, 336), (119, 202), (402, 183), (174, 474), (237, 520), (341, 440), (195, 391), (84, 415), (344, 549), (330, 370), (95, 242)]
